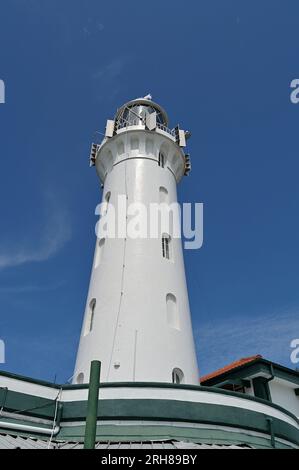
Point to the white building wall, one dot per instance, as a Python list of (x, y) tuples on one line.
[(250, 390), (132, 335), (283, 394)]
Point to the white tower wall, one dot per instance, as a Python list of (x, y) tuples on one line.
[(136, 333)]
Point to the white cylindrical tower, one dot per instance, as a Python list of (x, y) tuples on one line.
[(137, 318)]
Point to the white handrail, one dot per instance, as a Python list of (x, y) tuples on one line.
[(26, 427)]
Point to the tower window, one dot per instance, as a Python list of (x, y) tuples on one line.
[(161, 160), (177, 376), (163, 195), (106, 203), (107, 197), (172, 312), (90, 317), (99, 251), (80, 378), (166, 246)]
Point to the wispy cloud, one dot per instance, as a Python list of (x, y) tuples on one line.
[(108, 76), (231, 338), (55, 232), (111, 70), (92, 26)]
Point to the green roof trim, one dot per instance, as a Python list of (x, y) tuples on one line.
[(256, 366)]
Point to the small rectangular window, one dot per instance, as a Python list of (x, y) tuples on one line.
[(177, 376), (90, 317), (99, 252), (166, 246), (172, 312), (161, 160), (163, 195)]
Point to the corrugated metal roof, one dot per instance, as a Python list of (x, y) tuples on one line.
[(17, 442)]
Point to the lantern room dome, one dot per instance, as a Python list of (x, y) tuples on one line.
[(135, 111)]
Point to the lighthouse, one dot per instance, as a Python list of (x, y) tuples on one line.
[(137, 323), (137, 318)]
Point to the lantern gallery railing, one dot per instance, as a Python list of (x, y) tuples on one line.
[(121, 123)]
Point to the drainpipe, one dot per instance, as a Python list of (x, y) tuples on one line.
[(272, 374), (269, 380), (92, 405)]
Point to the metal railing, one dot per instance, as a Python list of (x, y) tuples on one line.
[(121, 123), (166, 129)]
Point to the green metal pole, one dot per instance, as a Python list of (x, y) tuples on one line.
[(92, 405)]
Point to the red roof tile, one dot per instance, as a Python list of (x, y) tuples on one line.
[(233, 365)]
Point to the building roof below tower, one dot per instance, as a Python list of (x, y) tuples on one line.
[(229, 367), (8, 441)]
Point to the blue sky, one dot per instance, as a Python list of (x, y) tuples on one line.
[(221, 69)]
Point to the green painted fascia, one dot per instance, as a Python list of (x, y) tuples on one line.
[(284, 374), (15, 401), (74, 386), (154, 410), (24, 404), (202, 388), (114, 433), (182, 411)]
